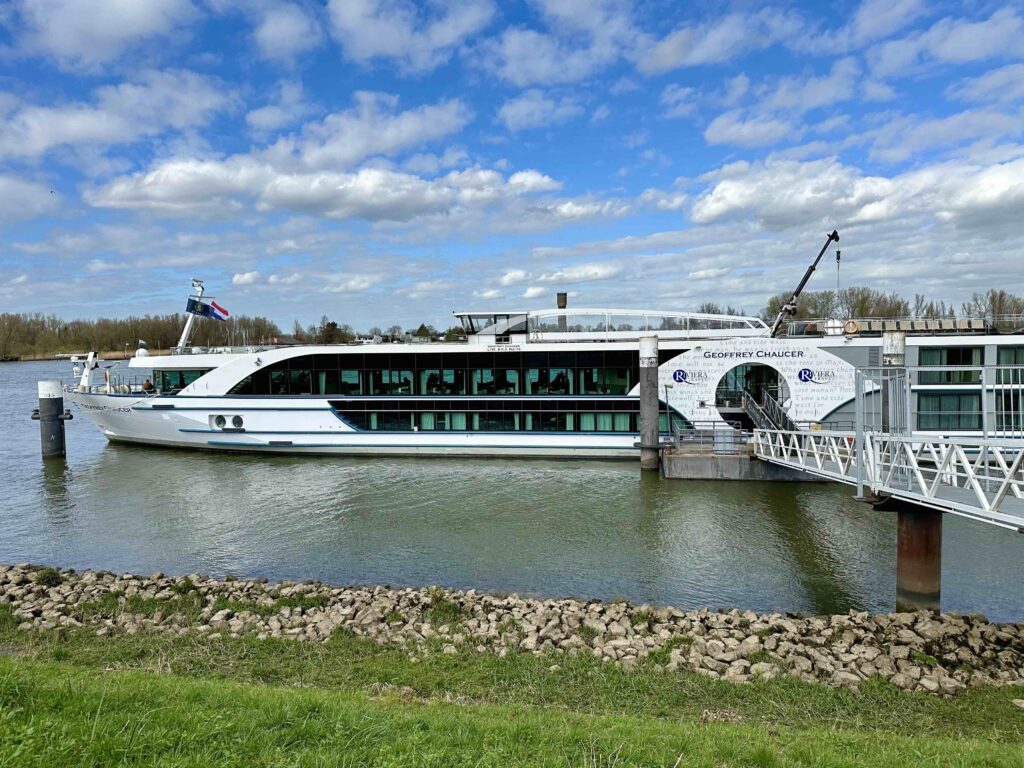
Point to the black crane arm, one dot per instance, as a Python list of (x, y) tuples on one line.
[(789, 308)]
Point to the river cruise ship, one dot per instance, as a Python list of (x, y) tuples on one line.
[(558, 382)]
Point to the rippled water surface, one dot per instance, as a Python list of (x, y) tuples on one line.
[(550, 528)]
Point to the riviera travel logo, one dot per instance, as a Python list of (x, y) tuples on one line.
[(685, 377), (809, 376)]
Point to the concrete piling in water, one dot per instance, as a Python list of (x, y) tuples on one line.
[(918, 557), (51, 416), (649, 446)]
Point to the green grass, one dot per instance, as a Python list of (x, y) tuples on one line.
[(48, 577), (71, 698), (924, 659)]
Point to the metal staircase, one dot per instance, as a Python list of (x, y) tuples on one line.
[(768, 413)]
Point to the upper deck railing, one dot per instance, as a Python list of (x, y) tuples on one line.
[(923, 326)]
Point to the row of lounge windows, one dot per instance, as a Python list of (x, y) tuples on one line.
[(962, 411), (616, 374), (499, 416), (967, 356)]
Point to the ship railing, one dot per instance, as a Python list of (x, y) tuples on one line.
[(707, 437), (224, 350), (831, 326)]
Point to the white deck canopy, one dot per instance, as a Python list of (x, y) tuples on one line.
[(607, 324)]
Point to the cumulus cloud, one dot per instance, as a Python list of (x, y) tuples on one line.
[(245, 278), (784, 194), (291, 279), (901, 137), (351, 283), (285, 31), (186, 187), (534, 292), (154, 102), (417, 38), (89, 33), (533, 109)]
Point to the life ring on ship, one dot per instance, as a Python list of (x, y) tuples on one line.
[(851, 327)]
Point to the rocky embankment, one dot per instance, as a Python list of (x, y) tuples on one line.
[(939, 653)]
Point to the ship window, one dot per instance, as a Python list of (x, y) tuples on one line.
[(950, 356), (604, 381), (548, 381), (949, 410), (278, 382), (300, 382), (492, 382)]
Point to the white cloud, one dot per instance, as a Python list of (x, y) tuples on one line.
[(708, 274), (429, 163), (1003, 84), (532, 109), (679, 101), (189, 187), (88, 33), (723, 39), (664, 201), (351, 283), (951, 41), (512, 277), (291, 279), (419, 39), (582, 38), (489, 294), (372, 127), (901, 137), (795, 95), (290, 108), (285, 31), (875, 19), (755, 131), (782, 194), (534, 292), (245, 278), (157, 101), (21, 199)]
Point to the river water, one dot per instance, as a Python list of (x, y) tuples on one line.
[(545, 528)]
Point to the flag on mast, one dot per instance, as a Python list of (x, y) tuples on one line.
[(212, 310)]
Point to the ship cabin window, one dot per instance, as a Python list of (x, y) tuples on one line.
[(948, 411), (170, 382), (950, 356), (521, 415), (1010, 356), (446, 374)]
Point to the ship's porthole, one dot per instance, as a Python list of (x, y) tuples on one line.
[(236, 422), (220, 422)]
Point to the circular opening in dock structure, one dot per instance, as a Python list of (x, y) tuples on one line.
[(758, 380)]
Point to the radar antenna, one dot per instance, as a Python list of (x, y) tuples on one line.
[(789, 308)]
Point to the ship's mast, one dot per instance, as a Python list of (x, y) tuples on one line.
[(186, 332)]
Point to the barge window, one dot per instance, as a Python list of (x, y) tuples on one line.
[(943, 356), (597, 416), (948, 410), (170, 382), (448, 373)]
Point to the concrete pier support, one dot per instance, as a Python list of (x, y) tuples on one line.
[(51, 417), (649, 447), (918, 557)]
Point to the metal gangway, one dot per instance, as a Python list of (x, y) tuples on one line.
[(967, 462)]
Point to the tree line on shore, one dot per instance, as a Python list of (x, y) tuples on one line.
[(28, 334)]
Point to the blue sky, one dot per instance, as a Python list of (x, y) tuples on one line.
[(384, 161)]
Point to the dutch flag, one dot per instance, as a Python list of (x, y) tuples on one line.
[(218, 312)]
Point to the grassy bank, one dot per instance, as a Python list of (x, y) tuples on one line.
[(72, 698)]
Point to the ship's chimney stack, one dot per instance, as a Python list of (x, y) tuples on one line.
[(562, 301)]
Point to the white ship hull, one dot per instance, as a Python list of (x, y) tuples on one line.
[(309, 426)]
